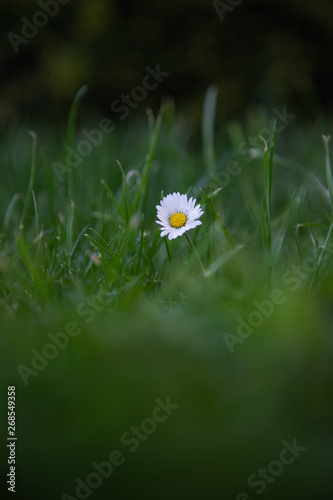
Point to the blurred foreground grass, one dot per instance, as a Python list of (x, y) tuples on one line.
[(234, 409), (246, 352)]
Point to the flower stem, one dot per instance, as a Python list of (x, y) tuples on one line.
[(196, 253)]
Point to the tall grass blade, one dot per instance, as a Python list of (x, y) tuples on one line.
[(142, 193), (329, 177), (207, 125), (28, 195), (71, 132)]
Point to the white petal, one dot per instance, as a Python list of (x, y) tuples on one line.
[(192, 225)]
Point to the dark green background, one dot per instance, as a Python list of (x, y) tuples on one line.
[(269, 53)]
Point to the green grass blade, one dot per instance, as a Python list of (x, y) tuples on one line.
[(77, 241), (69, 231), (112, 196), (263, 226), (220, 261), (209, 201), (36, 212), (9, 212), (71, 132), (127, 199), (28, 195), (73, 114), (207, 125), (329, 178), (142, 193), (320, 257), (141, 245), (271, 156)]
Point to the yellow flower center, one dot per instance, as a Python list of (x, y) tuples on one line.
[(178, 220)]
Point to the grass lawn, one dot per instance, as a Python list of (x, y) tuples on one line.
[(149, 368)]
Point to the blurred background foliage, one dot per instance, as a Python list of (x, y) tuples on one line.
[(269, 53)]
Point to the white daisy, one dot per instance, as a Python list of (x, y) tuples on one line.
[(177, 215)]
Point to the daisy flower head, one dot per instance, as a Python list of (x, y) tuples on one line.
[(177, 215)]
